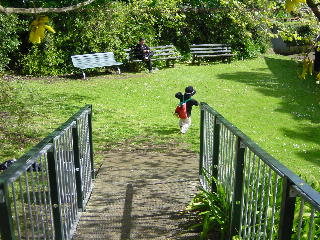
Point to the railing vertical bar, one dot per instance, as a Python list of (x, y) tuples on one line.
[(42, 169), (262, 198), (238, 187), (246, 220), (229, 164), (287, 210), (41, 212), (268, 202), (90, 140), (275, 192), (6, 224), (68, 157), (223, 158), (29, 204), (54, 181), (201, 140), (205, 147), (300, 218), (87, 168), (64, 177), (311, 223), (215, 155), (87, 158), (74, 187), (35, 205), (65, 182), (23, 209), (233, 161), (256, 199), (211, 132), (67, 192), (60, 190), (14, 196), (244, 180), (48, 197), (252, 191)]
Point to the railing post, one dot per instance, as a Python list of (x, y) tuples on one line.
[(77, 164), (216, 148), (238, 188), (6, 224), (201, 139), (91, 141), (54, 192), (286, 211)]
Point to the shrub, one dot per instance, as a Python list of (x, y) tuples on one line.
[(9, 40)]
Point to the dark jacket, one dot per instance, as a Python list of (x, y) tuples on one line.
[(186, 96), (139, 51)]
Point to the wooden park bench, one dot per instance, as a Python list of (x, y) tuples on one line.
[(94, 60), (166, 53), (200, 51)]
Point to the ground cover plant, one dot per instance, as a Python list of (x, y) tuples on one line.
[(263, 97), (213, 209)]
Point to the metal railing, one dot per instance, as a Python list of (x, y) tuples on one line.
[(43, 192), (268, 201)]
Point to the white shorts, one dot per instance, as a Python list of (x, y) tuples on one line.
[(184, 124)]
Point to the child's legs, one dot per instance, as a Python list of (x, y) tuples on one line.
[(186, 123), (180, 122)]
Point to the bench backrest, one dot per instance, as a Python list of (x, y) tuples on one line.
[(210, 49), (93, 60), (160, 52)]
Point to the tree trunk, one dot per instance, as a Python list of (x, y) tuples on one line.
[(314, 8), (44, 10)]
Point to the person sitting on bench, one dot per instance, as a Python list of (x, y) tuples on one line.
[(143, 52)]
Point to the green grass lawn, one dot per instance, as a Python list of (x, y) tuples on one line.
[(263, 97)]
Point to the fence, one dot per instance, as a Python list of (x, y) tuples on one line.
[(42, 193), (268, 201)]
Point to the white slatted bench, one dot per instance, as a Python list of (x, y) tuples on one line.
[(166, 53), (200, 51), (94, 60)]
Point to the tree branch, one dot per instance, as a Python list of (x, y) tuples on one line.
[(314, 8), (9, 10)]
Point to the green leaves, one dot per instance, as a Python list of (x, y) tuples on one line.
[(214, 210)]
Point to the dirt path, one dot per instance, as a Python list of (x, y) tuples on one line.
[(139, 194)]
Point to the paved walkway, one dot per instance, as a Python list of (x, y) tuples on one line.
[(139, 194)]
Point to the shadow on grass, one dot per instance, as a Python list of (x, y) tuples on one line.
[(300, 98)]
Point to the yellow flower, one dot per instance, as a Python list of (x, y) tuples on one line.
[(38, 28)]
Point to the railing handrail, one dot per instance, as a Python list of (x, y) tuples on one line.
[(22, 163), (311, 195)]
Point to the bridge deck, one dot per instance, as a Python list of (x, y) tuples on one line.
[(139, 194)]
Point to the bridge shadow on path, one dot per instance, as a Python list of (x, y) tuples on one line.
[(299, 98), (140, 193)]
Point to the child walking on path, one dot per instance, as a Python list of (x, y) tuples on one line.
[(184, 123)]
